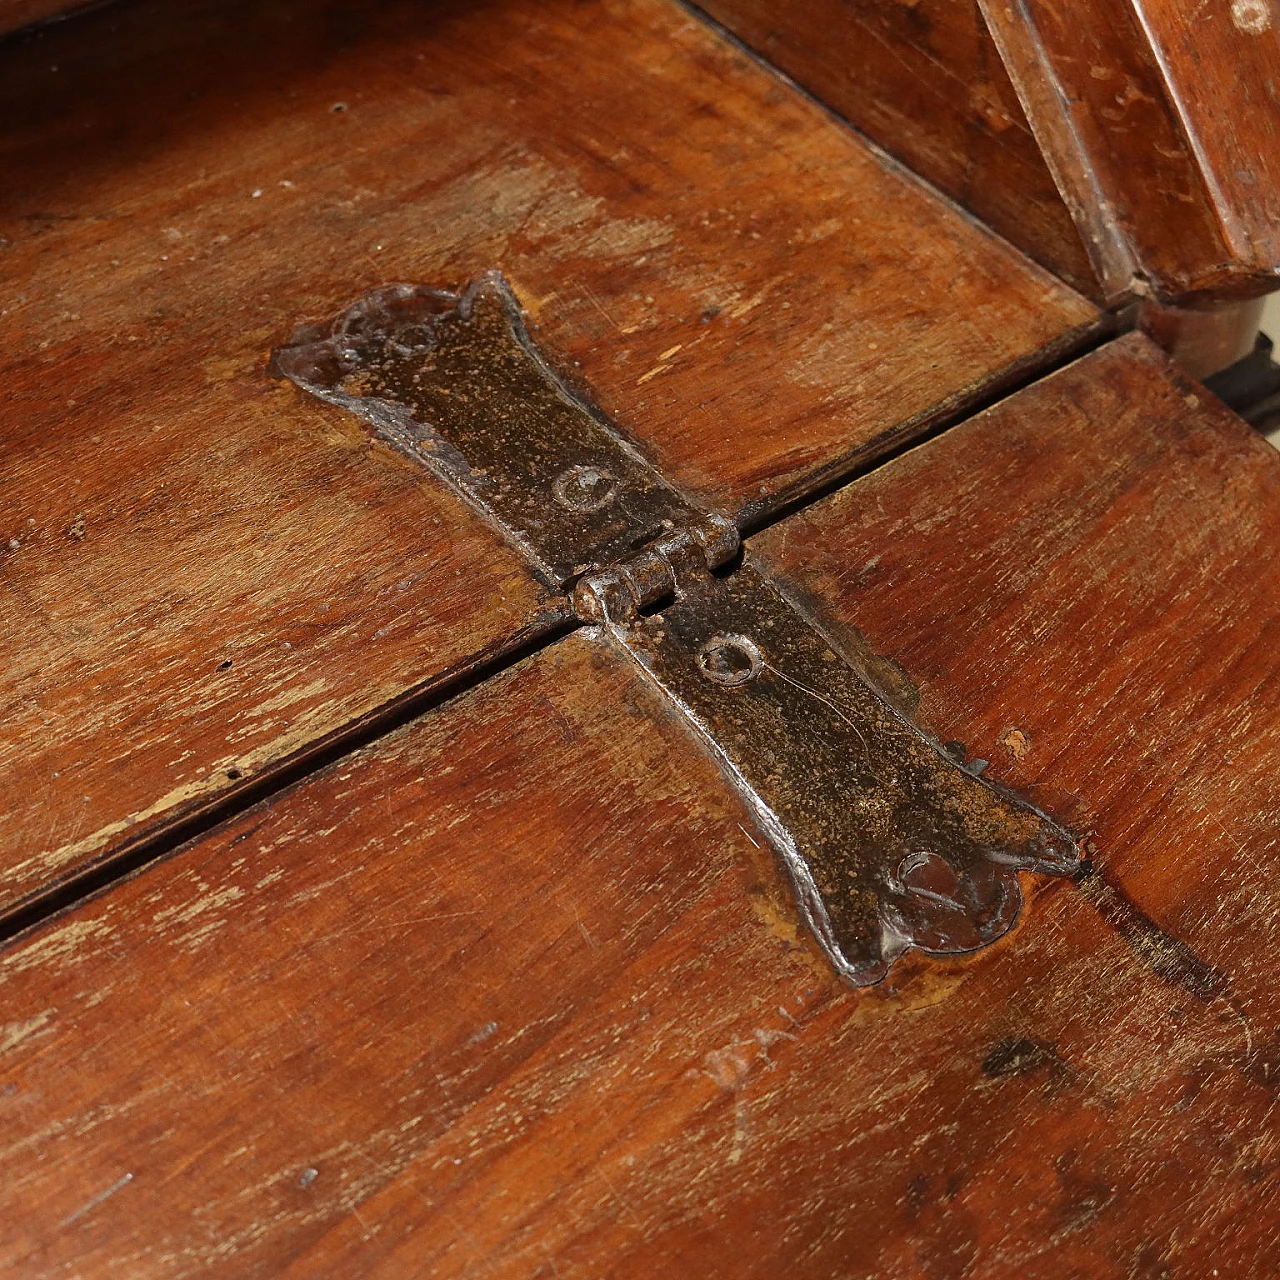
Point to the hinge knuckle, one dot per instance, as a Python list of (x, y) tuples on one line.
[(601, 598), (621, 592), (719, 539)]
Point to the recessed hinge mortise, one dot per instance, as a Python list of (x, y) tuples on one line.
[(888, 842)]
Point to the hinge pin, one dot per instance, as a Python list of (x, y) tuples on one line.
[(622, 591)]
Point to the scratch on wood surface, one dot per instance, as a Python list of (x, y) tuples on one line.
[(730, 1068), (590, 295), (652, 373), (1166, 956), (208, 903), (92, 1203), (208, 900)]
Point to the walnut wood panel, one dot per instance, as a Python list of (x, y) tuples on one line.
[(511, 993), (666, 209), (204, 577), (749, 288), (1158, 121), (926, 82), (370, 971), (1220, 63)]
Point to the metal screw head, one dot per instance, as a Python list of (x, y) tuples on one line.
[(730, 660), (584, 489)]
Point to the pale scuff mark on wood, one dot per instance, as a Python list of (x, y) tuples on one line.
[(57, 949), (13, 1034), (207, 902), (1251, 16)]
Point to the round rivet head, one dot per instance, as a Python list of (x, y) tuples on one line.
[(730, 660), (584, 489)]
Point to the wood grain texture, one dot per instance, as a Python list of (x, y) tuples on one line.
[(665, 208), (394, 931), (15, 14), (1203, 341), (1159, 122), (1219, 62), (510, 993), (926, 82), (748, 287), (217, 579)]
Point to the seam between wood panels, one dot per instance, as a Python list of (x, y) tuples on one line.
[(90, 882), (1073, 347)]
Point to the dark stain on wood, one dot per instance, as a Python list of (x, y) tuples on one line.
[(1166, 956), (1021, 1057)]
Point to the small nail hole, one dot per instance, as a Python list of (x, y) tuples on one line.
[(584, 489), (729, 660)]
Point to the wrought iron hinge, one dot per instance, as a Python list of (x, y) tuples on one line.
[(888, 841)]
